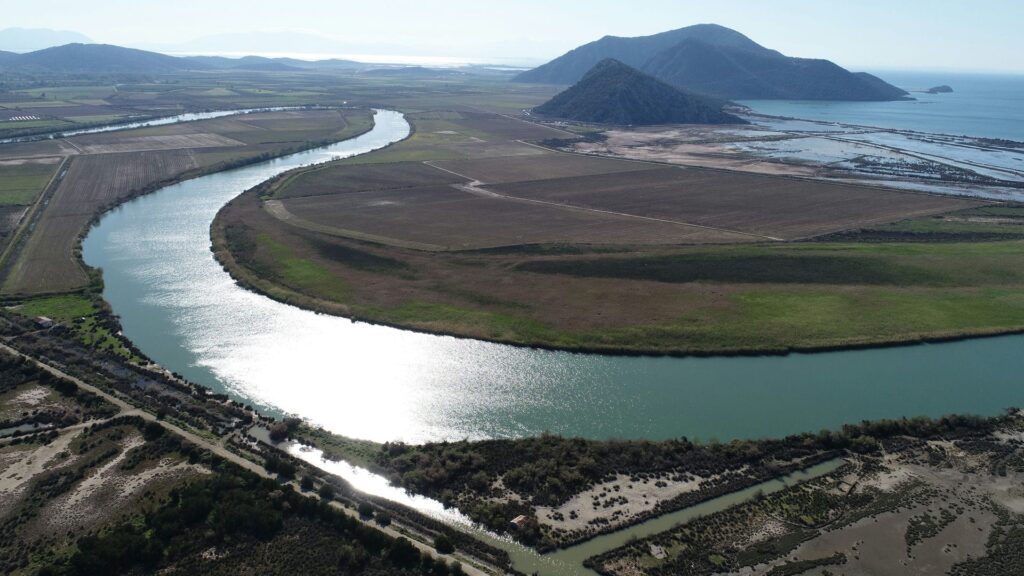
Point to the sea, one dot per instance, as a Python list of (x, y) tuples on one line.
[(981, 105)]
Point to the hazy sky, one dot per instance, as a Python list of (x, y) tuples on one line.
[(876, 34)]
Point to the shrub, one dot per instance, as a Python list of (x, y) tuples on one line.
[(326, 492), (365, 510), (443, 545)]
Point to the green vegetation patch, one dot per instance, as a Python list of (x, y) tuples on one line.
[(755, 269), (289, 268), (70, 92), (253, 526), (497, 325), (359, 259), (90, 324), (802, 566), (21, 184)]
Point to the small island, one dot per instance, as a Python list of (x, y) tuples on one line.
[(943, 89)]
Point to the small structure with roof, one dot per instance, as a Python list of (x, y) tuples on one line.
[(43, 322), (519, 521)]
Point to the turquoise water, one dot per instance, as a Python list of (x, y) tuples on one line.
[(379, 383), (989, 106)]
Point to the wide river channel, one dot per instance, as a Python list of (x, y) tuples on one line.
[(378, 383)]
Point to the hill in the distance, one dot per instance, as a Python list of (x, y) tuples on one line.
[(108, 59), (614, 93), (716, 61), (98, 59), (31, 39)]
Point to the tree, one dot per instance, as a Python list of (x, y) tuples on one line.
[(383, 519), (306, 484), (278, 431), (365, 510), (151, 431), (443, 544), (326, 492)]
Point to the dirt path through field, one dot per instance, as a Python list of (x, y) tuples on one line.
[(475, 187)]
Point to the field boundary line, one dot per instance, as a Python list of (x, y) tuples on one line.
[(72, 144), (13, 249), (473, 181), (474, 187), (492, 194)]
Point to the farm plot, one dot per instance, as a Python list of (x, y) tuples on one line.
[(48, 263), (782, 208), (442, 135), (169, 142), (21, 181), (107, 168), (285, 127), (509, 127), (343, 179), (447, 218), (39, 149), (538, 167)]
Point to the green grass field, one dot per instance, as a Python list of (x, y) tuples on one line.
[(21, 184), (82, 315), (34, 124), (70, 92)]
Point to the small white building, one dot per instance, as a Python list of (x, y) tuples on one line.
[(43, 322)]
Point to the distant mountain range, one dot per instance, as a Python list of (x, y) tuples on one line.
[(94, 58), (109, 59), (31, 39), (716, 61), (272, 64), (614, 93)]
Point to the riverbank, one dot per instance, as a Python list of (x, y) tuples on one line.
[(517, 260), (744, 300), (102, 173)]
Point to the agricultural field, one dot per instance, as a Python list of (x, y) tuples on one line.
[(106, 168), (458, 230), (771, 207), (21, 183)]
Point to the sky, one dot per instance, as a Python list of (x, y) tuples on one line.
[(946, 35)]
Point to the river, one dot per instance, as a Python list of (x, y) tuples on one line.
[(131, 124), (379, 383)]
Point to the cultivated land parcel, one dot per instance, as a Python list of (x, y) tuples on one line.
[(101, 170), (471, 227)]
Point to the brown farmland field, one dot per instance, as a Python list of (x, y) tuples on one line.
[(337, 179), (107, 168), (461, 231), (510, 128), (779, 207), (448, 218), (48, 262), (149, 143), (539, 167)]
